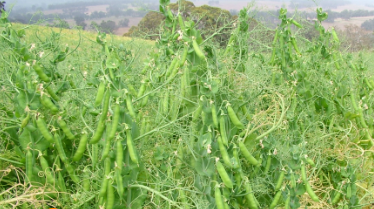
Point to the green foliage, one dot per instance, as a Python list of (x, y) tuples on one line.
[(183, 123), (80, 21), (108, 26), (148, 27), (124, 22), (208, 19)]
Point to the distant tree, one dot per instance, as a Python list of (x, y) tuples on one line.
[(80, 21), (148, 27), (108, 26), (114, 10), (124, 22), (2, 6), (208, 19), (368, 25), (97, 15), (61, 24)]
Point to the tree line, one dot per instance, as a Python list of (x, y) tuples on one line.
[(2, 6)]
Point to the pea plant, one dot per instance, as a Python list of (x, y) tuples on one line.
[(191, 125)]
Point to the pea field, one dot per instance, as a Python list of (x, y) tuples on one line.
[(100, 121)]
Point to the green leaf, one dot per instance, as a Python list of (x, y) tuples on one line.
[(205, 166), (25, 139), (21, 33), (112, 61), (294, 203), (300, 189), (159, 154)]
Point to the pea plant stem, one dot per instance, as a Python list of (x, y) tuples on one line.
[(275, 126), (158, 128), (156, 193), (11, 161)]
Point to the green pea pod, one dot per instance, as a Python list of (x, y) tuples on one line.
[(245, 112), (60, 148), (293, 180), (171, 67), (310, 162), (71, 82), (336, 198), (108, 143), (308, 188), (224, 176), (336, 61), (101, 125), (119, 155), (282, 48), (119, 181), (81, 148), (184, 56), (131, 148), (100, 94), (29, 166), (218, 198), (279, 181), (225, 155), (98, 133), (214, 116), (288, 201), (181, 23), (142, 89), (39, 70), (25, 121), (110, 197), (349, 191), (130, 107), (272, 59), (105, 181), (52, 93), (334, 35), (268, 164), (275, 201), (248, 156), (197, 113), (86, 181), (144, 101), (62, 186), (95, 154), (42, 126), (294, 44), (222, 130), (234, 118), (251, 200), (296, 23), (173, 73), (46, 102), (46, 170), (71, 170), (115, 121), (65, 129), (197, 49)]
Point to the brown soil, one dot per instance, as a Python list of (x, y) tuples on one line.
[(342, 23)]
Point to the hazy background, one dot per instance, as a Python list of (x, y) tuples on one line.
[(46, 2), (120, 15)]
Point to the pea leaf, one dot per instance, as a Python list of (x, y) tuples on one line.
[(112, 61), (205, 166)]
